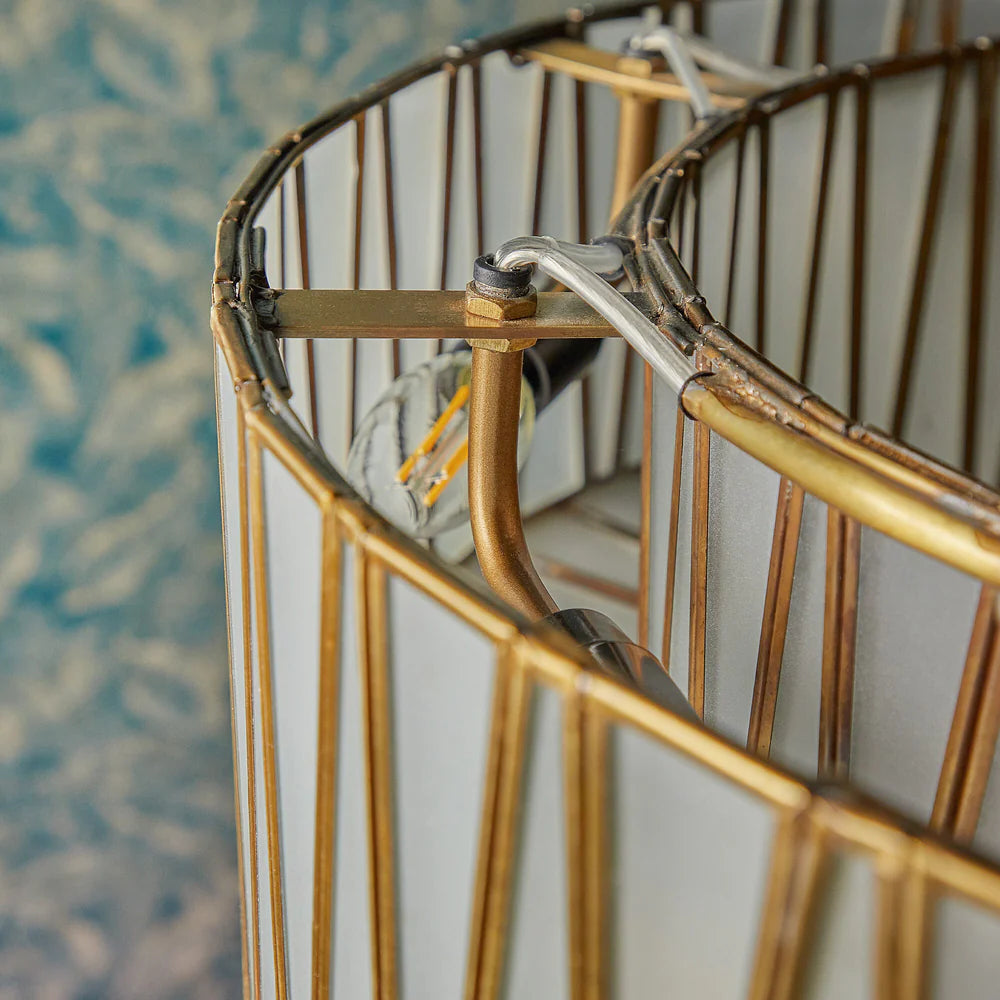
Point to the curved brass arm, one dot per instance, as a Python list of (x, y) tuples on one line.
[(494, 509)]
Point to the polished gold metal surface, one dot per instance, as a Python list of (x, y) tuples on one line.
[(589, 65), (502, 309), (419, 314), (494, 511)]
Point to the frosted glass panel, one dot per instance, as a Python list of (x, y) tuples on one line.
[(743, 495), (840, 963), (294, 543), (510, 141), (661, 480), (965, 951), (226, 405), (442, 674), (351, 972), (537, 956), (690, 857), (795, 740), (937, 391), (796, 144), (914, 621), (903, 120)]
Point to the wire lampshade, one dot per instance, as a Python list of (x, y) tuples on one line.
[(438, 797)]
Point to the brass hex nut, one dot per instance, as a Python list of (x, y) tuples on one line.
[(502, 346), (499, 309)]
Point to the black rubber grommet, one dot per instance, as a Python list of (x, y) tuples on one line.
[(509, 282)]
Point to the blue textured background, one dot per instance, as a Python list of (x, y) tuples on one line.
[(124, 127)]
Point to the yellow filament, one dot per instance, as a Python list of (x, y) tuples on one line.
[(451, 467), (456, 403)]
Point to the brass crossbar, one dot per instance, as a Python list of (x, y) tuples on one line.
[(373, 314), (583, 62)]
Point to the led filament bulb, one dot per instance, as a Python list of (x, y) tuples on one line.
[(409, 458)]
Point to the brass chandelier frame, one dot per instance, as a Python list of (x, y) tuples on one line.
[(868, 478)]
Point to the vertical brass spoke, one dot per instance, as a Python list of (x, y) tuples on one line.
[(949, 16), (777, 603), (821, 51), (585, 744), (359, 216), (582, 194), (627, 375), (497, 833), (324, 851), (734, 228), (909, 16), (451, 110), (979, 252), (699, 567), (925, 246), (248, 706), (373, 637), (901, 932), (451, 102), (545, 102), (764, 143), (782, 33), (390, 218), (680, 216), (840, 620), (262, 606), (798, 864), (815, 257), (975, 724), (858, 248), (303, 223), (645, 512), (477, 153), (695, 221), (671, 573)]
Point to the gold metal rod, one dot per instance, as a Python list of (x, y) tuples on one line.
[(636, 145), (699, 569), (675, 510), (819, 220), (326, 755), (248, 710), (373, 635), (919, 283), (589, 65), (412, 314), (559, 570), (494, 510), (302, 215), (840, 622), (498, 832), (262, 609), (774, 623), (645, 509), (901, 931), (855, 488)]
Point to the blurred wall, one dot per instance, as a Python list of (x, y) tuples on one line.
[(124, 127)]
